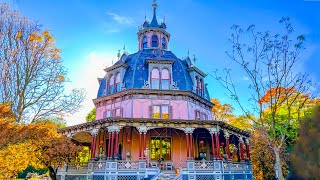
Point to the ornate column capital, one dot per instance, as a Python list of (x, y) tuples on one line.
[(226, 134), (69, 135), (240, 138), (142, 129), (189, 130), (247, 141), (94, 132), (212, 130), (114, 128)]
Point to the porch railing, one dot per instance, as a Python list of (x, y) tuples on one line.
[(217, 166)]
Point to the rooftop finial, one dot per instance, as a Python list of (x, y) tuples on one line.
[(118, 55), (154, 5), (124, 48), (188, 53)]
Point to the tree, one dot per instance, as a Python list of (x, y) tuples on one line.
[(55, 154), (269, 62), (91, 116), (32, 77), (306, 153), (37, 144)]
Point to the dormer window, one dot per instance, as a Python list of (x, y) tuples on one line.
[(111, 84), (145, 42), (201, 87), (118, 88), (154, 41), (163, 43), (155, 78), (165, 79)]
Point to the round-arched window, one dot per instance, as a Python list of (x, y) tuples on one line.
[(145, 42), (154, 41), (118, 82), (165, 79), (163, 43), (111, 84), (155, 78)]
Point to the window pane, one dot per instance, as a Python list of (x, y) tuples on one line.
[(165, 112), (118, 87), (118, 78), (111, 80), (145, 42), (118, 112), (155, 73), (156, 112), (163, 43), (108, 114), (155, 84), (165, 84), (111, 87)]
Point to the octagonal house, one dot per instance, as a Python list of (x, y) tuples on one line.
[(154, 120)]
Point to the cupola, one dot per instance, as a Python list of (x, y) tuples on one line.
[(153, 35)]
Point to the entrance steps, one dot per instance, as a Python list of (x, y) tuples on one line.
[(166, 175)]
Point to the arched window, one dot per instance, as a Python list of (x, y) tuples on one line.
[(118, 82), (201, 87), (155, 78), (111, 84), (165, 79), (163, 43), (145, 42), (197, 84), (154, 41)]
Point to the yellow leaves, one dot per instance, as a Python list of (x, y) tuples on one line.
[(46, 33), (19, 35), (60, 78)]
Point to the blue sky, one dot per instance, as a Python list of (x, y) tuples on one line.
[(89, 33)]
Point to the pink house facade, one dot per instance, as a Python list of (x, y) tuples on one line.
[(154, 121)]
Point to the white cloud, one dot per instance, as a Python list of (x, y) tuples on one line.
[(123, 20), (86, 77)]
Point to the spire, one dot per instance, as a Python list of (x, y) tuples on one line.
[(154, 22)]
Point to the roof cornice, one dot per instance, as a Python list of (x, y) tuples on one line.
[(153, 92)]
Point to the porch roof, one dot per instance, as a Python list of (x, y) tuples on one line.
[(159, 123)]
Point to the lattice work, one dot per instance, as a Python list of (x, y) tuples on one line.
[(97, 177), (76, 177), (127, 177), (205, 177), (203, 165), (58, 177)]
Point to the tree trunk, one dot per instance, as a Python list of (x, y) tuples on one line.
[(52, 173), (277, 165)]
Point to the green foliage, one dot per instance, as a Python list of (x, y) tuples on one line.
[(30, 169), (91, 115), (305, 156)]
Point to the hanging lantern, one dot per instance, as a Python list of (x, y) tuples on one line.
[(128, 141), (101, 142), (201, 143), (166, 139), (222, 144)]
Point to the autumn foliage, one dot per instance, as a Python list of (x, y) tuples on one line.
[(37, 144)]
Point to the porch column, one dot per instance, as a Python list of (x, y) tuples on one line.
[(116, 145), (226, 135), (212, 142), (241, 148), (140, 145), (218, 145), (112, 144), (248, 148), (191, 146), (144, 143), (188, 148), (142, 140), (109, 144), (94, 133)]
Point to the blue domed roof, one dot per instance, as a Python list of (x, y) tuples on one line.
[(137, 72)]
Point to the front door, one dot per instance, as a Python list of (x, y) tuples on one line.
[(160, 147)]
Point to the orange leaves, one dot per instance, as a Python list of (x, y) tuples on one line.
[(277, 94), (221, 111)]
